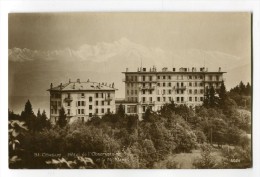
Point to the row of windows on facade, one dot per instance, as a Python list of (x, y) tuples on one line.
[(181, 84), (171, 99), (178, 77), (82, 95), (79, 103), (81, 111), (190, 91), (164, 99)]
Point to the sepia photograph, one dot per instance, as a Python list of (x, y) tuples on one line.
[(130, 90)]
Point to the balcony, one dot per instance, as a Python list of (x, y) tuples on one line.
[(108, 99), (147, 88), (179, 87), (68, 99), (147, 102)]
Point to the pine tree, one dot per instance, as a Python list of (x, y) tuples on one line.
[(121, 111), (212, 97), (248, 89), (28, 116), (62, 121), (206, 98), (222, 95)]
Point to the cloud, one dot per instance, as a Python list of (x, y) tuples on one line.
[(125, 49)]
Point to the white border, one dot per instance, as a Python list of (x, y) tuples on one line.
[(124, 5)]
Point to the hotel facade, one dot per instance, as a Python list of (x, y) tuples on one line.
[(144, 88), (81, 100), (150, 88)]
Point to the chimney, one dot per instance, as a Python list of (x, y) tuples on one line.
[(69, 81), (51, 85), (73, 86), (126, 69), (113, 85), (219, 69), (60, 86), (78, 80), (88, 80)]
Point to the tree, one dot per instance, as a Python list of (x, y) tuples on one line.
[(222, 95), (28, 116), (147, 115), (212, 97), (121, 111), (62, 121)]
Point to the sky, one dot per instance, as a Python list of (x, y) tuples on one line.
[(49, 48)]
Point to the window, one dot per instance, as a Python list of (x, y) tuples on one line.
[(169, 77), (132, 92), (82, 103), (127, 92), (150, 91), (196, 84), (182, 99), (170, 99), (163, 77), (68, 111), (217, 78), (201, 84), (190, 84), (190, 77), (190, 98), (82, 111), (79, 103), (103, 103), (151, 99), (164, 99), (82, 119), (190, 91), (182, 91), (96, 95), (90, 99), (163, 84), (201, 91), (82, 95), (143, 78), (150, 84), (108, 103), (163, 92), (195, 98), (96, 111), (90, 114), (195, 91), (78, 111), (68, 103), (108, 95), (201, 77), (201, 98), (143, 92), (108, 110), (143, 84), (96, 103), (143, 99), (135, 78), (158, 98), (195, 77), (150, 78), (158, 84), (102, 110), (178, 99), (158, 77), (90, 107), (170, 91), (210, 78), (102, 95), (136, 92), (169, 84), (182, 84), (143, 108)]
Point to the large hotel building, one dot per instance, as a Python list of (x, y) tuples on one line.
[(144, 88), (152, 88), (81, 100)]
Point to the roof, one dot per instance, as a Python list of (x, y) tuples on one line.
[(82, 86)]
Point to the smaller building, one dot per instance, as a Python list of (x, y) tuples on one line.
[(81, 100)]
